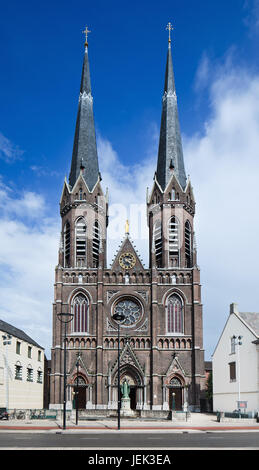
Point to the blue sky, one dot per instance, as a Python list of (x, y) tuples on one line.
[(215, 55)]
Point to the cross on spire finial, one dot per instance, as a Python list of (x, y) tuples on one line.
[(86, 32), (169, 28)]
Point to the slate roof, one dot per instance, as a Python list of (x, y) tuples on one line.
[(12, 330), (252, 319), (85, 149), (170, 152)]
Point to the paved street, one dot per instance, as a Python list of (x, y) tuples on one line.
[(131, 440), (201, 431)]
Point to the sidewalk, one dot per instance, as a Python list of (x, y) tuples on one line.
[(197, 422)]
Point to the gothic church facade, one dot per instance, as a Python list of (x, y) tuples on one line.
[(161, 336)]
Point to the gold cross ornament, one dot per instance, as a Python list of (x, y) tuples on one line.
[(169, 28), (86, 32)]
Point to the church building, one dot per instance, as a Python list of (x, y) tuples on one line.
[(161, 355)]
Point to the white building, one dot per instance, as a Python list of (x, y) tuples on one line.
[(235, 364), (21, 369)]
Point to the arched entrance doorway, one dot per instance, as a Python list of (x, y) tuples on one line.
[(136, 392), (175, 394), (79, 393)]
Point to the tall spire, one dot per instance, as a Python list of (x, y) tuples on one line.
[(170, 153), (84, 156)]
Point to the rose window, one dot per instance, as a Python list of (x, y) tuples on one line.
[(130, 309)]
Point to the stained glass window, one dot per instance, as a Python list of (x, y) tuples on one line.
[(175, 315), (80, 309), (130, 309)]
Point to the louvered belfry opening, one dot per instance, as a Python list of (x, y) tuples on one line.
[(80, 243), (188, 251), (96, 244), (174, 242)]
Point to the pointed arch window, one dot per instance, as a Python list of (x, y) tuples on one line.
[(175, 315), (67, 245), (80, 310), (80, 242), (96, 244), (174, 242), (158, 243), (188, 244)]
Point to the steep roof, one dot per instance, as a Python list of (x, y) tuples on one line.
[(170, 152), (252, 319), (127, 245), (85, 150), (12, 330)]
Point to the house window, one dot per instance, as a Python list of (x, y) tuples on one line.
[(80, 310), (233, 345), (29, 351), (29, 374), (18, 372), (232, 371), (39, 377), (175, 315), (18, 347), (39, 356)]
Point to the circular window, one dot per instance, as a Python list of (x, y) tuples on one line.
[(131, 310)]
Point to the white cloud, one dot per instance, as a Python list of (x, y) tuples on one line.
[(203, 72), (251, 19), (127, 195), (223, 163), (28, 254), (8, 151)]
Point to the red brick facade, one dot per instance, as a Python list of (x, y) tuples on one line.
[(161, 346)]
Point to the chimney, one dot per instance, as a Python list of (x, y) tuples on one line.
[(233, 308)]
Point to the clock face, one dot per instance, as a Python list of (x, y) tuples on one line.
[(127, 260)]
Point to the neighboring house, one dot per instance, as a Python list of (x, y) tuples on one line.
[(21, 369), (236, 364)]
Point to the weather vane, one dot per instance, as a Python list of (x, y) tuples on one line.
[(169, 28), (86, 32)]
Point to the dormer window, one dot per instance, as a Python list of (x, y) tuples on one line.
[(80, 194)]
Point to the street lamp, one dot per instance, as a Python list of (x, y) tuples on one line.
[(238, 342), (65, 318), (7, 339), (173, 402), (77, 391), (119, 317)]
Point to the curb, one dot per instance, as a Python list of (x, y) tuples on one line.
[(138, 428)]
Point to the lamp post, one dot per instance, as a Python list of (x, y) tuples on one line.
[(119, 317), (173, 401), (77, 391), (7, 339), (238, 342), (65, 318)]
